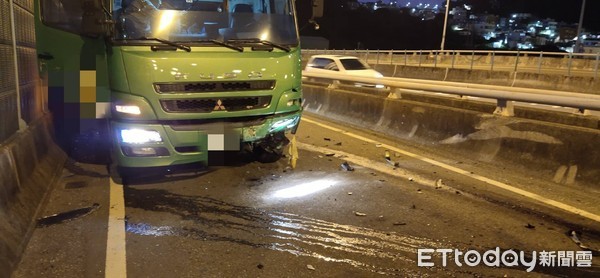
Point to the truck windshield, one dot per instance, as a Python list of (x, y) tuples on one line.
[(189, 21)]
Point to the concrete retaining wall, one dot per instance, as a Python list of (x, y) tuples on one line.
[(471, 128), (30, 164)]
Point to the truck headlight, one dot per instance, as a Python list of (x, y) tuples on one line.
[(138, 136), (128, 109), (283, 124)]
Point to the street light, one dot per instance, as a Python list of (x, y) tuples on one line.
[(578, 43), (446, 24)]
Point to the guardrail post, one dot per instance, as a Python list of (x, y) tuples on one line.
[(453, 57), (540, 62), (472, 59), (367, 56), (569, 64), (420, 53), (596, 67), (517, 60), (391, 57), (405, 57), (436, 58), (493, 56), (504, 108), (377, 63)]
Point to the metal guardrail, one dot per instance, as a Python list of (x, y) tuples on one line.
[(503, 95), (569, 64)]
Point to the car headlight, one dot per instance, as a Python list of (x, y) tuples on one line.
[(138, 136)]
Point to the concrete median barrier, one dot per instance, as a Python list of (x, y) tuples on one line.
[(30, 164), (559, 80), (538, 140)]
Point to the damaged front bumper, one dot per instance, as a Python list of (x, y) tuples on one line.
[(174, 143)]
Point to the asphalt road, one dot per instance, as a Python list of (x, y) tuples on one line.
[(249, 219)]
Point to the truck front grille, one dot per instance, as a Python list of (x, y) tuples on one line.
[(214, 86), (207, 105)]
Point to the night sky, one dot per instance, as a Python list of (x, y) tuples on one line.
[(562, 10), (361, 28)]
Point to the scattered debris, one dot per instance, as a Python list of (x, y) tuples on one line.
[(439, 184), (378, 145), (320, 156), (346, 167), (396, 154), (419, 191), (310, 267), (329, 154), (66, 216), (349, 193), (327, 139), (260, 266), (575, 238), (399, 223), (388, 159), (359, 213), (529, 226), (411, 179), (458, 192), (75, 184), (338, 144), (413, 207)]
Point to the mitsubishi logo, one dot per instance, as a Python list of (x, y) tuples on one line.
[(219, 106)]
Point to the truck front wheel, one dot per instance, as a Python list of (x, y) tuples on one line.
[(271, 148)]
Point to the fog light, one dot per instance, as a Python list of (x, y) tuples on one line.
[(293, 102), (128, 109), (143, 151), (138, 136)]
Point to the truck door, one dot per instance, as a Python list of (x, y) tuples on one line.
[(76, 70)]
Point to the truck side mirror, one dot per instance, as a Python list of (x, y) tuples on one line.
[(94, 20), (317, 10)]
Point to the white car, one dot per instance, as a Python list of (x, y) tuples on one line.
[(349, 65)]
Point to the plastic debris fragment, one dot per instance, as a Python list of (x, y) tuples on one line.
[(346, 167), (66, 216)]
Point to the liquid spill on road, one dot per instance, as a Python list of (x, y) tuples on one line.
[(208, 219)]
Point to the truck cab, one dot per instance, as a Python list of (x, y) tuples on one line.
[(175, 79)]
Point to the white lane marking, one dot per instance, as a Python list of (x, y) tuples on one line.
[(116, 264), (370, 164), (489, 181)]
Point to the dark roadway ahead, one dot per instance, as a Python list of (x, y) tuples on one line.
[(249, 219)]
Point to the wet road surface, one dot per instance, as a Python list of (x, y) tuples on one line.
[(249, 219)]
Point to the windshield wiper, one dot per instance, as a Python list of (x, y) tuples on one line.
[(265, 42), (225, 44), (178, 45)]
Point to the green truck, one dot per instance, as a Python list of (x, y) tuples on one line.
[(175, 79)]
